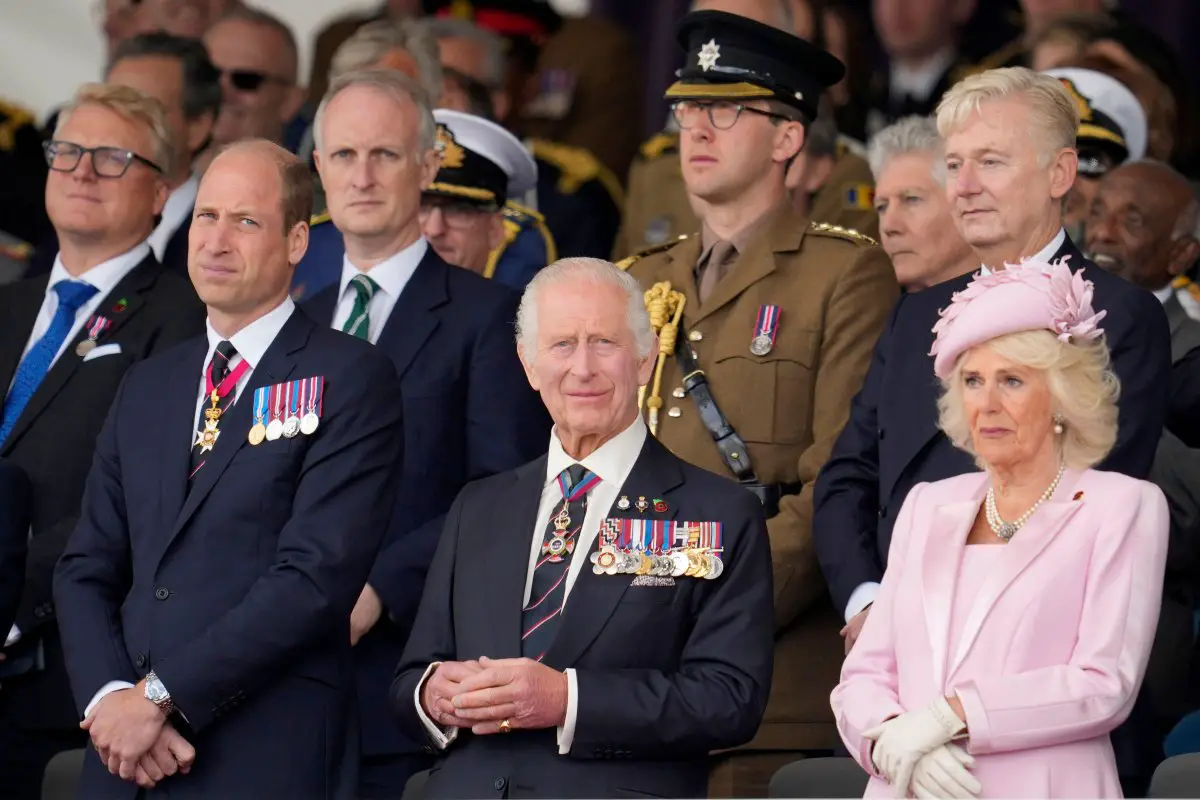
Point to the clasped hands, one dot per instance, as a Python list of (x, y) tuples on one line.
[(481, 694), (914, 751), (134, 739)]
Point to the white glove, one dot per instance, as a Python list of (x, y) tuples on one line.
[(901, 741), (942, 774)]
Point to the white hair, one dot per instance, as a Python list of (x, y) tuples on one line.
[(495, 64), (373, 41), (911, 134), (396, 85), (584, 270)]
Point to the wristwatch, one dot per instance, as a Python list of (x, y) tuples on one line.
[(157, 693)]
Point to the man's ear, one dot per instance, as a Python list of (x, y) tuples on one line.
[(527, 365), (431, 162), (1063, 171), (297, 240), (646, 365), (1184, 251), (789, 141)]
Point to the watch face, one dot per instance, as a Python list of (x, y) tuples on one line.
[(156, 692)]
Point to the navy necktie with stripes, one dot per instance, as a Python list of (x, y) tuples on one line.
[(541, 615)]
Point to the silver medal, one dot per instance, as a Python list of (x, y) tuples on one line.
[(309, 423), (760, 345)]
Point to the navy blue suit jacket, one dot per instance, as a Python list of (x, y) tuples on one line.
[(16, 501), (891, 441), (469, 412), (237, 590), (665, 674)]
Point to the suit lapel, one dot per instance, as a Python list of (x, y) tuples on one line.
[(1177, 316), (1018, 554), (507, 553), (177, 428), (414, 317), (939, 572), (132, 289), (594, 598), (17, 322), (277, 365)]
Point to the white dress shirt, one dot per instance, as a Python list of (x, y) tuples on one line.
[(391, 275), (178, 208), (1164, 294), (251, 342), (865, 593), (611, 462), (104, 276)]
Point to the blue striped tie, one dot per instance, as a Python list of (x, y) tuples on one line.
[(72, 295)]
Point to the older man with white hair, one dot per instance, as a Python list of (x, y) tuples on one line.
[(599, 620), (915, 226), (1010, 159)]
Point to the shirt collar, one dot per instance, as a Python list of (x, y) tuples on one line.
[(178, 206), (391, 274), (104, 276), (612, 461), (1164, 294), (252, 341), (1045, 254), (919, 82), (740, 240)]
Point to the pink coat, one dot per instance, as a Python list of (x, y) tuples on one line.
[(1052, 651)]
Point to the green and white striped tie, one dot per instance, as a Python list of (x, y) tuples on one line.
[(359, 322)]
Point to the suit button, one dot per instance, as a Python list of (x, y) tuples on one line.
[(162, 593), (39, 612), (499, 784), (882, 434), (674, 411), (140, 660), (679, 392), (883, 512)]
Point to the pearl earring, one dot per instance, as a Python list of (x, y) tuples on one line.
[(1058, 424)]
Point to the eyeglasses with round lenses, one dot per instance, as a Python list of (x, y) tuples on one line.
[(722, 114)]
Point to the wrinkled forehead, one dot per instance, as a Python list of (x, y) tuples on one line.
[(583, 307)]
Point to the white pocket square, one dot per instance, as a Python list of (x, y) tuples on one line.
[(102, 351)]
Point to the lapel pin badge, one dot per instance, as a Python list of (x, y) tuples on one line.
[(623, 503), (120, 306), (642, 505), (660, 505), (1078, 496)]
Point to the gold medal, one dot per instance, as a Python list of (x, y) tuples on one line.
[(258, 433), (85, 347)]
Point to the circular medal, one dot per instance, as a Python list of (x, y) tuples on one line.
[(662, 566), (693, 564), (761, 345), (291, 427), (309, 423), (629, 563), (274, 430), (644, 564), (257, 434), (717, 566), (679, 563), (85, 347)]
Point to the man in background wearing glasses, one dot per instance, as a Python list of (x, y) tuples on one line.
[(774, 319), (66, 341)]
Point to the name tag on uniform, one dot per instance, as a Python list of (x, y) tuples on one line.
[(659, 548), (287, 409)]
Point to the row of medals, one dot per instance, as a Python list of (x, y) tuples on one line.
[(692, 562), (287, 428)]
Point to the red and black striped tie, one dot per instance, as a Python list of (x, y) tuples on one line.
[(541, 615)]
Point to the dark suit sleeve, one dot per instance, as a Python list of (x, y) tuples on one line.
[(15, 492), (716, 697), (432, 636), (846, 495), (342, 502), (95, 572), (506, 426), (1183, 417), (1140, 342)]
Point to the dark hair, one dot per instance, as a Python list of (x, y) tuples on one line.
[(258, 16), (201, 80)]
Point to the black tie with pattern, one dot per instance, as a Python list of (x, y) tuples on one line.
[(220, 369)]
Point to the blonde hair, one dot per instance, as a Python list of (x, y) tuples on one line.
[(132, 105), (1083, 392), (1052, 113)]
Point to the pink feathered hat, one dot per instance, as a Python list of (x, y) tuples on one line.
[(1030, 296)]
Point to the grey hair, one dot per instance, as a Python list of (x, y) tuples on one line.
[(494, 62), (374, 40), (911, 134), (593, 270), (396, 85)]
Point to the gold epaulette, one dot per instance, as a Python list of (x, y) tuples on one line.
[(317, 219), (15, 118), (658, 144), (849, 234), (577, 166), (629, 261), (515, 210)]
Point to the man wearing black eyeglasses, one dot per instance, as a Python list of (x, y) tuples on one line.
[(256, 55), (66, 341)]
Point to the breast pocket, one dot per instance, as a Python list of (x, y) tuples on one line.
[(768, 399)]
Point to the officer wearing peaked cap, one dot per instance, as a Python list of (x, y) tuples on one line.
[(465, 214), (766, 325)]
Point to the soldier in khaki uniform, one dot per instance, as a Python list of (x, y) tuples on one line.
[(779, 315)]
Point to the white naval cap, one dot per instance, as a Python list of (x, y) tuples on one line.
[(1108, 110), (486, 139)]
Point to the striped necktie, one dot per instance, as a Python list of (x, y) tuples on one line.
[(549, 592), (359, 322)]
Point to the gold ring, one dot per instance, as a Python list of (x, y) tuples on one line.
[(505, 727)]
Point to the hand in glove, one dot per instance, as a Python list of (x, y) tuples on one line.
[(901, 741), (942, 774)]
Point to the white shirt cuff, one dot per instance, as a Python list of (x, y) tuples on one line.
[(566, 733), (442, 737), (14, 636), (105, 690), (860, 598)]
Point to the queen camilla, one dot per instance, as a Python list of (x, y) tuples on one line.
[(1015, 619)]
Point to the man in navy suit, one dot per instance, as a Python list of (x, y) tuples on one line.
[(15, 499), (240, 489), (468, 410), (1008, 165), (598, 621)]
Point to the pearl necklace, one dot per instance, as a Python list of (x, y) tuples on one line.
[(1006, 530)]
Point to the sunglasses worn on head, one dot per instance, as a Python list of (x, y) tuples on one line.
[(248, 80), (107, 162)]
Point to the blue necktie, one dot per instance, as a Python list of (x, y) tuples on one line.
[(71, 297)]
